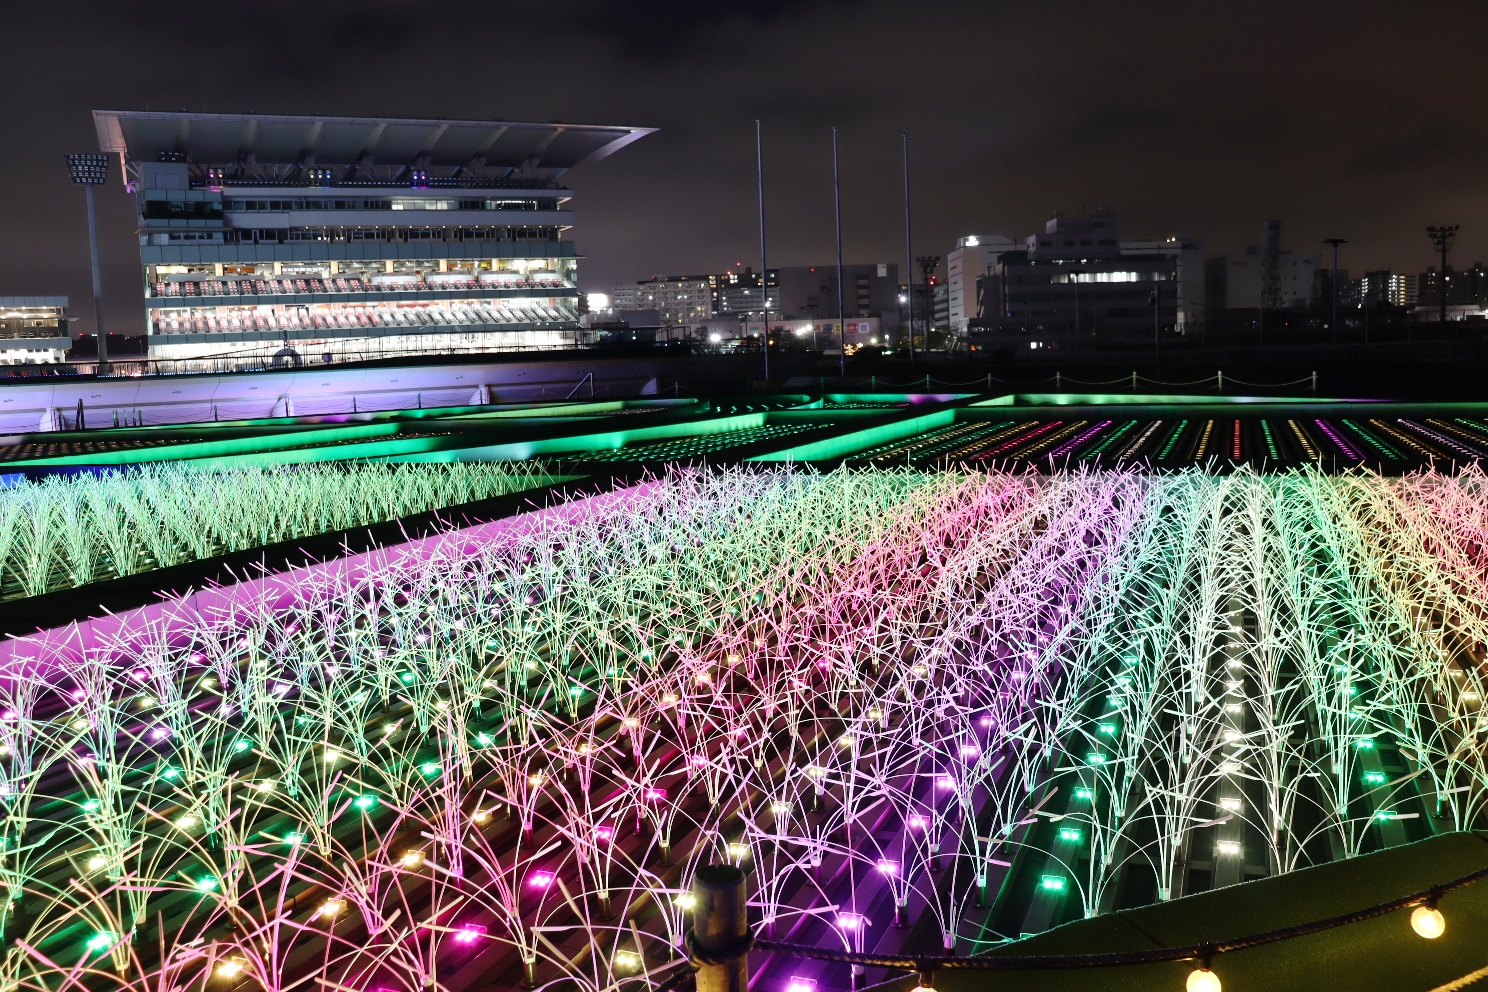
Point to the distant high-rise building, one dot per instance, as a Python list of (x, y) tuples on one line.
[(680, 300), (1404, 290), (973, 258)]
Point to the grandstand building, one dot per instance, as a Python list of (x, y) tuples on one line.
[(339, 236)]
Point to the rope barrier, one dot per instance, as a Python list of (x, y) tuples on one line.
[(1188, 952)]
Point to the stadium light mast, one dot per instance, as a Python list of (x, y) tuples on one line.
[(89, 169), (1443, 237)]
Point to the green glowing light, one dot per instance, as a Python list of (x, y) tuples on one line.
[(428, 768), (102, 941), (1084, 793), (1053, 883), (206, 883), (1374, 778), (1071, 834), (364, 803)]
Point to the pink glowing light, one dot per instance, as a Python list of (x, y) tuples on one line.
[(540, 879), (945, 782), (849, 921), (604, 833), (798, 984), (888, 867), (917, 823), (469, 932), (655, 795)]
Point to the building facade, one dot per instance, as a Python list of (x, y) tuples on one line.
[(312, 237), (1264, 278), (973, 258), (681, 300), (1078, 286), (34, 330)]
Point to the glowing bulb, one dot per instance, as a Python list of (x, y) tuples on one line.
[(1428, 922), (737, 850), (1202, 980), (413, 859), (686, 900), (97, 863), (330, 907), (229, 969), (627, 960)]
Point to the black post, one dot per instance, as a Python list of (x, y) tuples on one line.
[(759, 160), (1335, 242), (1156, 331), (908, 250), (841, 321), (719, 941)]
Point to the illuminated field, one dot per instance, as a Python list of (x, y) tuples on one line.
[(978, 705)]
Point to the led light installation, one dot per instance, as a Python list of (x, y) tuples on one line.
[(976, 705)]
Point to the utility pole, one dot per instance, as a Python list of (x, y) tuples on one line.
[(1335, 242), (908, 249), (89, 169), (927, 265), (841, 319), (759, 161), (1443, 237), (1074, 277), (1156, 300)]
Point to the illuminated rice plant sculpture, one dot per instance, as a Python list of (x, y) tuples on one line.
[(973, 704), (70, 531)]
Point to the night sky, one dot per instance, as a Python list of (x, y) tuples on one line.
[(1360, 120)]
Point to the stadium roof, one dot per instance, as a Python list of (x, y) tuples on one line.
[(266, 140)]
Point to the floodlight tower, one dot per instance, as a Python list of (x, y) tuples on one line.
[(1443, 237), (89, 169)]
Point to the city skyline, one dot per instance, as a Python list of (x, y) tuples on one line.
[(1194, 120)]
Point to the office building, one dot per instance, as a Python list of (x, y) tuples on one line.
[(809, 292), (315, 236), (973, 258), (740, 293), (1078, 286), (1265, 277), (34, 330)]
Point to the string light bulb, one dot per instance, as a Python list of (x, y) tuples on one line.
[(1202, 980), (1428, 922)]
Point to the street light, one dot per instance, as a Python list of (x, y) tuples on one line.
[(89, 169)]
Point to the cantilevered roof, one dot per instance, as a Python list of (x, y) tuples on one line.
[(269, 140)]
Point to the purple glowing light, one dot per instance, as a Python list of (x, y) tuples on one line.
[(849, 921), (799, 984), (917, 822), (888, 867)]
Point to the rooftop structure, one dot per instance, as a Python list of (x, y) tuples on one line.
[(328, 235)]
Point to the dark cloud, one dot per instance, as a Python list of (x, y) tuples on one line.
[(1358, 119)]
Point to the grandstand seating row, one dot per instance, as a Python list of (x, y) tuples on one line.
[(338, 284), (451, 315)]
